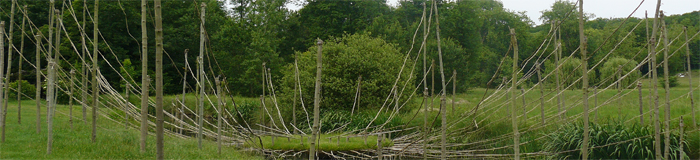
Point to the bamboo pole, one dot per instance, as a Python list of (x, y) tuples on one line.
[(425, 87), (584, 50), (443, 97), (200, 108), (50, 87), (539, 77), (522, 93), (144, 78), (454, 88), (2, 64), (557, 57), (218, 122), (6, 86), (37, 97), (294, 104), (641, 104), (159, 79), (317, 100), (619, 91), (84, 87), (649, 65), (652, 43), (667, 117), (95, 68), (262, 98), (21, 59), (690, 77), (184, 87), (513, 98), (70, 100)]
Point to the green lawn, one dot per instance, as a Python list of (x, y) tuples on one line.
[(113, 140), (325, 144)]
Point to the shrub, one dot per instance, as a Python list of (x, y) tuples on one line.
[(672, 81), (344, 60), (27, 89), (636, 142), (610, 69)]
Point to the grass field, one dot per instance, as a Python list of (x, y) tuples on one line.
[(113, 140)]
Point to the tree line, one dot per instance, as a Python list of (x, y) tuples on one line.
[(243, 34)]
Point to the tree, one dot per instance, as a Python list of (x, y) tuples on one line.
[(609, 72)]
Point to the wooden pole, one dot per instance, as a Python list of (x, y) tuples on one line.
[(690, 76), (159, 80), (70, 101), (19, 77), (184, 87), (85, 69), (218, 122), (95, 67), (294, 104), (557, 57), (652, 44), (667, 117), (619, 91), (2, 64), (539, 77), (454, 88), (641, 104), (425, 86), (443, 97), (201, 76), (50, 87), (37, 97), (144, 78), (513, 97), (317, 99), (595, 102), (522, 93), (584, 50), (432, 85), (262, 98), (6, 86), (649, 65)]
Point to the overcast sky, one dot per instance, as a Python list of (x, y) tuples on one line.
[(601, 8)]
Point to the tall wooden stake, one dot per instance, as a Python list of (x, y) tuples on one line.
[(159, 80), (200, 108), (144, 78), (6, 86), (50, 87), (95, 68), (649, 65), (425, 87), (220, 104), (2, 64), (37, 97), (690, 76), (184, 87), (557, 57), (539, 77), (317, 100), (443, 97), (667, 117), (522, 93), (681, 153), (641, 104), (19, 77), (262, 97), (127, 104), (513, 99), (654, 82), (619, 90), (294, 104), (584, 57), (85, 71), (454, 88), (70, 101), (595, 102)]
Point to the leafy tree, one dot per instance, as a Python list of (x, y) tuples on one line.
[(570, 72)]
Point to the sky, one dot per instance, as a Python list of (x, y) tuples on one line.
[(600, 8)]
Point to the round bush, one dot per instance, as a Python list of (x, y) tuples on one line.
[(610, 71), (344, 60)]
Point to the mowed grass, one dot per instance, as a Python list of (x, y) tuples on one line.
[(325, 144), (113, 140)]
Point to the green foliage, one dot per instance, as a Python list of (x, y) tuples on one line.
[(609, 72), (27, 89), (246, 110), (672, 81), (570, 72), (344, 60), (616, 141)]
